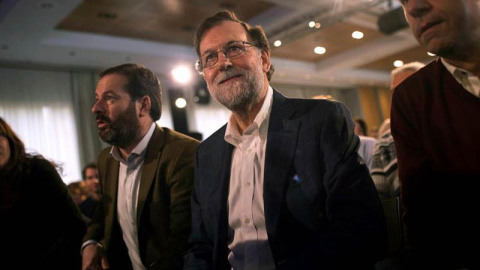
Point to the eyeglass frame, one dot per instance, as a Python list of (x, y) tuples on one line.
[(199, 66)]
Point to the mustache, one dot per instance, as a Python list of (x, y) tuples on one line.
[(228, 74), (102, 118)]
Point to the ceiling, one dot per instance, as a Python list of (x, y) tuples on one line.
[(95, 34)]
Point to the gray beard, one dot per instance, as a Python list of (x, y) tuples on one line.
[(243, 94)]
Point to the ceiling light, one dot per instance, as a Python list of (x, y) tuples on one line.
[(320, 50), (182, 75), (311, 24), (430, 54), (277, 43), (357, 35), (46, 5), (398, 63), (180, 103), (318, 25)]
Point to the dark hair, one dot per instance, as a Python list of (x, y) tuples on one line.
[(17, 148), (17, 166), (91, 165), (141, 82), (362, 124), (256, 33)]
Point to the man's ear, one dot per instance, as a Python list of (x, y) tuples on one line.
[(145, 104), (265, 61)]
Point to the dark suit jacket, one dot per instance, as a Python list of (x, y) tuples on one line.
[(163, 210), (329, 217)]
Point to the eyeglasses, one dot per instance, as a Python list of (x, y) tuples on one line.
[(232, 50)]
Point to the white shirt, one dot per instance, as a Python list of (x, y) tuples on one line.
[(467, 79), (367, 149), (248, 239), (129, 176)]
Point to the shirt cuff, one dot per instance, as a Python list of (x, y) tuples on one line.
[(89, 242)]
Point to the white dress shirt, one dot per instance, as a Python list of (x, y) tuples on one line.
[(129, 176), (467, 79), (248, 239)]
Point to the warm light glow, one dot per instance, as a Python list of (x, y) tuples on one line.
[(277, 43), (182, 75), (180, 103), (311, 24), (357, 35), (398, 63), (320, 50), (430, 54), (318, 25)]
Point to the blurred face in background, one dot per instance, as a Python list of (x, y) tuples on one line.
[(4, 151), (91, 180), (358, 129)]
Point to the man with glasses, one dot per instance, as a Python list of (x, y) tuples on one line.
[(280, 186)]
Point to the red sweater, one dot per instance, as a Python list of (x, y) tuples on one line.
[(435, 123)]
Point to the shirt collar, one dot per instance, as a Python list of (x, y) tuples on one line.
[(457, 72), (232, 134), (138, 151)]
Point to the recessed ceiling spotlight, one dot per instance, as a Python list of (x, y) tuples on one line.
[(431, 54), (311, 24), (398, 63), (320, 50), (277, 43), (46, 5), (318, 25), (357, 35)]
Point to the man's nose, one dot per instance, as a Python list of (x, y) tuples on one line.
[(97, 107), (224, 61)]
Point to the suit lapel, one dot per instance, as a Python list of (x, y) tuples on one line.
[(218, 185), (281, 144), (149, 168), (111, 173)]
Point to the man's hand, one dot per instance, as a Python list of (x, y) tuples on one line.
[(94, 258)]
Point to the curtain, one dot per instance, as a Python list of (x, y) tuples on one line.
[(38, 106)]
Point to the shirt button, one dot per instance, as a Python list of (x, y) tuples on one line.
[(247, 220), (247, 184)]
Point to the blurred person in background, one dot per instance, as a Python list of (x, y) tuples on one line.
[(41, 227), (93, 189), (385, 176), (78, 191), (367, 144)]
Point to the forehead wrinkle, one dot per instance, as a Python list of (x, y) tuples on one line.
[(218, 34)]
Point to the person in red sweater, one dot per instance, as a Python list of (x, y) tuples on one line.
[(434, 123)]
